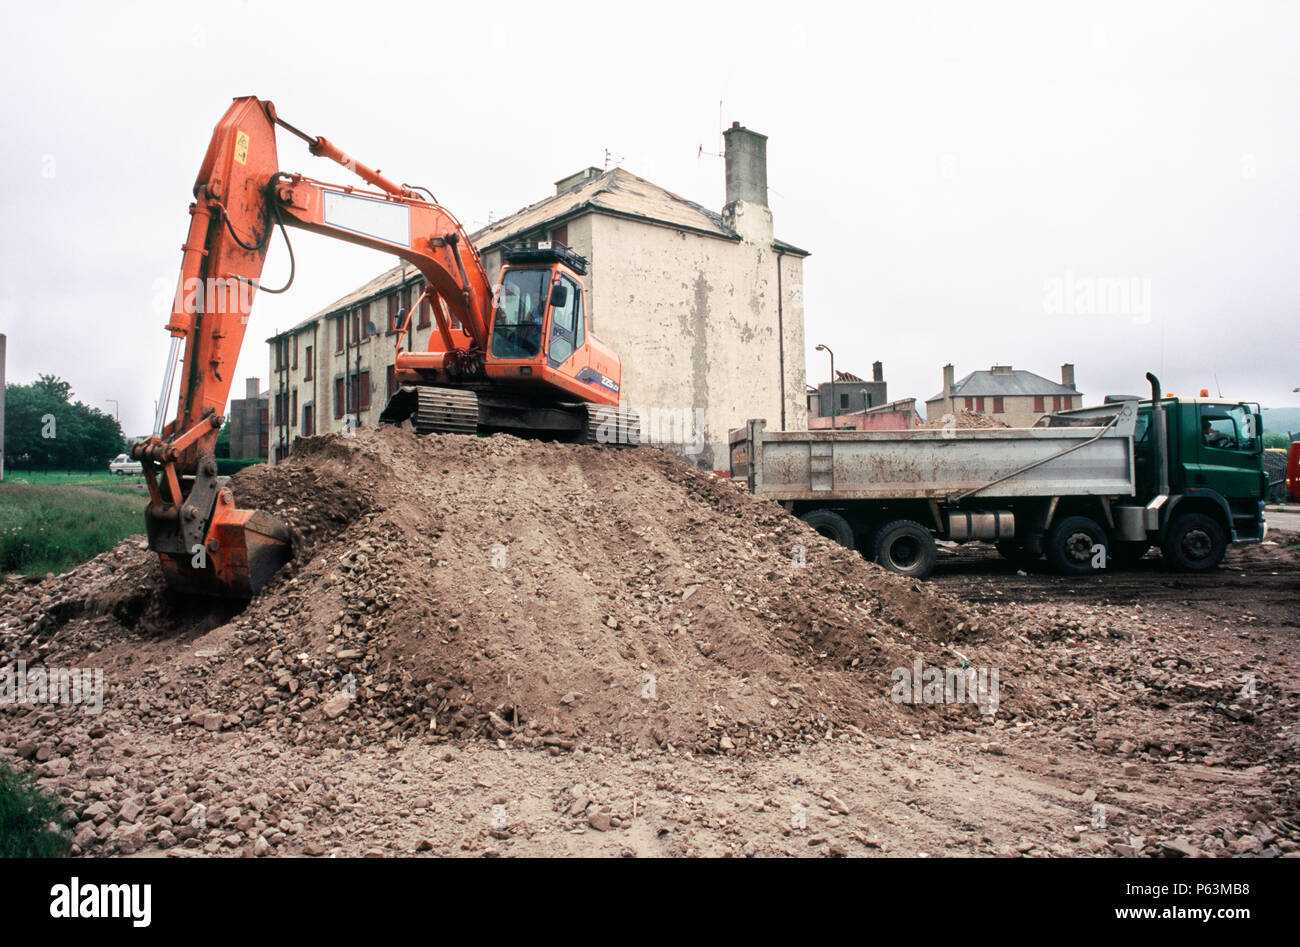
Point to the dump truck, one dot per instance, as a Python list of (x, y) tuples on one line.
[(1093, 488)]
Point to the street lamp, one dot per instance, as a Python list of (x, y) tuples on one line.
[(835, 405)]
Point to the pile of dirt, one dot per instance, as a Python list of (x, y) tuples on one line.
[(965, 420), (536, 593)]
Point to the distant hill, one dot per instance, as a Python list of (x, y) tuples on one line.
[(1283, 420)]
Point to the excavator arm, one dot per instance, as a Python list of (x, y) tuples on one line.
[(240, 198)]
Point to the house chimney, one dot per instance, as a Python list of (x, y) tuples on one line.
[(949, 379), (250, 388), (877, 371), (575, 181), (746, 155), (1067, 375)]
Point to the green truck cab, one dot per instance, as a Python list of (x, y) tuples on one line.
[(1205, 475)]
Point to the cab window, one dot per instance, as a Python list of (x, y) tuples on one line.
[(564, 321), (1226, 427)]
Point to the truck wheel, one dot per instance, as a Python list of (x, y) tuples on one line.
[(1071, 545), (905, 547), (831, 525), (1195, 543)]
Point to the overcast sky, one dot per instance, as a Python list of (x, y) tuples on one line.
[(1111, 184)]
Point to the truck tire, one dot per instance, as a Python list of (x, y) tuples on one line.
[(1195, 543), (831, 525), (1071, 545), (905, 547)]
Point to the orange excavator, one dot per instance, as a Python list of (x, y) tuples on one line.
[(516, 357)]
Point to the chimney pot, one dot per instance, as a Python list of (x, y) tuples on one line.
[(877, 371), (251, 388)]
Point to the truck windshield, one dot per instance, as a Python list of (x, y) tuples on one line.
[(520, 307)]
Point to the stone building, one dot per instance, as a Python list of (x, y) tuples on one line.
[(848, 394), (249, 422), (705, 309), (1016, 397)]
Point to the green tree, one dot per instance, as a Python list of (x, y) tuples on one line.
[(44, 428), (223, 441)]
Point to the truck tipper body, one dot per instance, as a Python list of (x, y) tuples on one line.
[(1094, 488)]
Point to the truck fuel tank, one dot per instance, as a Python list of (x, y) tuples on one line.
[(987, 525)]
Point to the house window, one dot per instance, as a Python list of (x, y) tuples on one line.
[(338, 397), (392, 313), (426, 308), (1056, 403), (358, 387), (307, 373), (295, 355), (979, 405), (997, 405), (1038, 404), (293, 411), (844, 402), (560, 235), (308, 420), (338, 335)]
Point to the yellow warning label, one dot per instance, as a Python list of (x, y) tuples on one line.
[(241, 147)]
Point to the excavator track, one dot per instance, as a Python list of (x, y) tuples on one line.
[(612, 427), (445, 411)]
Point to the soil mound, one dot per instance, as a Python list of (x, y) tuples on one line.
[(527, 592)]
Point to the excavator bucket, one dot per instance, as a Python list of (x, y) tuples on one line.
[(245, 548)]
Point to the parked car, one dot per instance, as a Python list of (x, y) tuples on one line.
[(123, 465)]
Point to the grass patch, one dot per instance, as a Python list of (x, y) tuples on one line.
[(31, 822), (50, 528)]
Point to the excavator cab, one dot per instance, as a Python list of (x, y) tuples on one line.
[(543, 372), (539, 328)]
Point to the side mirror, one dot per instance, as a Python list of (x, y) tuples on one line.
[(559, 295)]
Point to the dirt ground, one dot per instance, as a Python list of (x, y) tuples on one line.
[(497, 647)]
